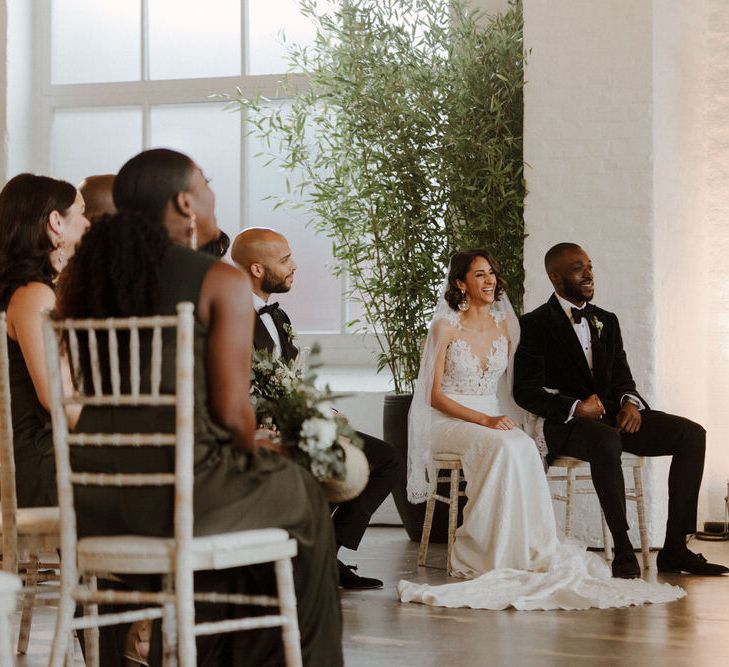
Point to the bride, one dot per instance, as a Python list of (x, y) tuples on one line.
[(507, 545)]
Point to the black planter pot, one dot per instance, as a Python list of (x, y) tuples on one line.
[(395, 432)]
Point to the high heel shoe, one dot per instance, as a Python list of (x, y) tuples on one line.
[(136, 649)]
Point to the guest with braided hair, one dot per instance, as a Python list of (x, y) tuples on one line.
[(143, 261)]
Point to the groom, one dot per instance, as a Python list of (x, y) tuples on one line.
[(265, 255), (571, 369)]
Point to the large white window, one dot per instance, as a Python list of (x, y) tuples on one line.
[(119, 76)]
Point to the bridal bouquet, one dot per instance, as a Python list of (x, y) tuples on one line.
[(312, 433)]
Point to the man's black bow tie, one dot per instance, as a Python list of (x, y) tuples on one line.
[(579, 313), (268, 308)]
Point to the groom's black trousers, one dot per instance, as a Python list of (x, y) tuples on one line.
[(351, 518), (660, 434)]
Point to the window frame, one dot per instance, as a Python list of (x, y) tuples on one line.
[(340, 348)]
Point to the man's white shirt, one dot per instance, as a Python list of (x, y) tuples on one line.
[(267, 320), (584, 335)]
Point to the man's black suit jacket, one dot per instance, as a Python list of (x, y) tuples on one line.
[(550, 356), (262, 339)]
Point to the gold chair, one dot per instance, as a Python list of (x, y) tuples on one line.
[(453, 463), (573, 479), (176, 558), (27, 532)]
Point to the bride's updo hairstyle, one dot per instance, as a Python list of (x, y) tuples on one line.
[(459, 266)]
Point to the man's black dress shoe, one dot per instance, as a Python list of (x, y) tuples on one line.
[(687, 561), (625, 565), (353, 582)]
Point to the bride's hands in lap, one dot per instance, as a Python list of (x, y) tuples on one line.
[(500, 423)]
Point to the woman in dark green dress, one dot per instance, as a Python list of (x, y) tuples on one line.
[(141, 262), (41, 221)]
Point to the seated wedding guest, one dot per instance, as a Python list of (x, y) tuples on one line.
[(99, 197), (267, 258), (594, 411), (97, 193), (41, 221), (143, 261)]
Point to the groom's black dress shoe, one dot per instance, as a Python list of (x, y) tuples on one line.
[(625, 565), (687, 561), (353, 582)]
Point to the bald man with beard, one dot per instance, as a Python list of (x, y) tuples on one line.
[(265, 255)]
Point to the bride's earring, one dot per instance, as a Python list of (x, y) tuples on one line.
[(193, 231), (463, 303)]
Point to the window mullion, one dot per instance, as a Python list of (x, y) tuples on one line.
[(144, 41), (41, 142), (144, 74), (244, 207), (244, 20)]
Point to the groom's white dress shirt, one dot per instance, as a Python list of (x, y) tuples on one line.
[(582, 331), (267, 320), (582, 328)]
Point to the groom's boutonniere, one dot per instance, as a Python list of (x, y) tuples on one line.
[(597, 324), (290, 332)]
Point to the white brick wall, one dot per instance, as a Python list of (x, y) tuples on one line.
[(715, 264), (679, 196), (627, 138), (587, 141)]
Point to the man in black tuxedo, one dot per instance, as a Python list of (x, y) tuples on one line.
[(571, 369), (265, 255)]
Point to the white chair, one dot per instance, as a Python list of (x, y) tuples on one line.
[(27, 532), (578, 483), (10, 586), (177, 558), (453, 463)]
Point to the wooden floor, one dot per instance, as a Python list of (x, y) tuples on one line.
[(379, 630)]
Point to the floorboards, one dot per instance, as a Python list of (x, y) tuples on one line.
[(379, 630)]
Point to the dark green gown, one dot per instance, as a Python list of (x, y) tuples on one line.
[(35, 467), (234, 490)]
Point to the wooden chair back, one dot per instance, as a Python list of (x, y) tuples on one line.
[(8, 498), (101, 345)]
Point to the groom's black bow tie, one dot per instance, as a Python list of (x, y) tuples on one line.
[(579, 313), (268, 308)]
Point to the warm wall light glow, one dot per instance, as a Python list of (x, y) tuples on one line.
[(716, 346)]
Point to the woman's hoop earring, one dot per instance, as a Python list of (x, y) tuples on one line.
[(463, 304), (193, 231)]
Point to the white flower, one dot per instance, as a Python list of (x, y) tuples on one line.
[(597, 324), (318, 433)]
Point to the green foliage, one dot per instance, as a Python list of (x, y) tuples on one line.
[(406, 147)]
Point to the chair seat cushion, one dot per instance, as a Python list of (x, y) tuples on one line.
[(137, 554), (37, 521)]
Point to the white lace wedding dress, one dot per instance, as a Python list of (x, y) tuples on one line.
[(507, 545)]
